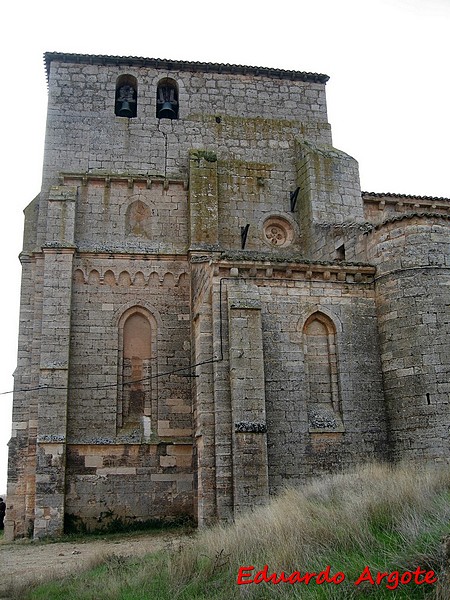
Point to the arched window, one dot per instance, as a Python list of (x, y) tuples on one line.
[(126, 96), (167, 99), (136, 340), (324, 411), (137, 219)]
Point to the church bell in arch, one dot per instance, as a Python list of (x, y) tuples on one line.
[(126, 103), (166, 103)]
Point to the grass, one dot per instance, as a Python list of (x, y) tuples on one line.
[(116, 577), (385, 518)]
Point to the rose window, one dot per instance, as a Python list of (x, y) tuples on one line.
[(278, 232), (276, 235)]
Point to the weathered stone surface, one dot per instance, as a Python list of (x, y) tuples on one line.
[(168, 367)]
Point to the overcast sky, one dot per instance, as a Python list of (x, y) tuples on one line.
[(388, 96)]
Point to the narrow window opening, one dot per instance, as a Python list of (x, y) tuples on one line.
[(294, 198), (126, 96), (340, 252), (428, 399), (167, 99), (324, 410), (244, 234), (135, 356)]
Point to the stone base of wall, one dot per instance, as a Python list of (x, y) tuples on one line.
[(113, 486)]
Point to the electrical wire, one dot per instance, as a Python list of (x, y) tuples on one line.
[(111, 385), (181, 369)]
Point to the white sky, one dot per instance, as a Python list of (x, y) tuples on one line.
[(388, 96)]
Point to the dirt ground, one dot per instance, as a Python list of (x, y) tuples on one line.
[(25, 562)]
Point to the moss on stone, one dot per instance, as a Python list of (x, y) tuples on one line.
[(204, 154)]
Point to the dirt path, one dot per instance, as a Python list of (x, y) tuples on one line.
[(28, 562)]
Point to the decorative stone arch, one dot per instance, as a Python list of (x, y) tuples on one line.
[(125, 104), (137, 344), (319, 334), (78, 276), (142, 304), (109, 278), (154, 279), (169, 280), (139, 279), (322, 318), (93, 277), (321, 310), (124, 279)]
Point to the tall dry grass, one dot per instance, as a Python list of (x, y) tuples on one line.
[(380, 515), (388, 518)]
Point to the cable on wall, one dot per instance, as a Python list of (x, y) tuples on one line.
[(189, 367)]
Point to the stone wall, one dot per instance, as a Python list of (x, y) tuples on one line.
[(413, 259), (210, 310), (121, 485), (250, 118), (298, 444)]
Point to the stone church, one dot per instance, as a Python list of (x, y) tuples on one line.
[(211, 309)]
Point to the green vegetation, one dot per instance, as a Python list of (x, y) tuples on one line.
[(74, 525), (384, 518), (206, 154)]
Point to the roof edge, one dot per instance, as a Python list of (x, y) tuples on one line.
[(401, 196), (169, 65), (414, 215)]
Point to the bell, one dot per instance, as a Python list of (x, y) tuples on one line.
[(166, 111), (125, 110)]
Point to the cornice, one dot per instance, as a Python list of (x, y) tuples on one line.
[(165, 64)]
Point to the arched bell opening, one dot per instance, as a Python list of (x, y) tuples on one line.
[(126, 96), (167, 99)]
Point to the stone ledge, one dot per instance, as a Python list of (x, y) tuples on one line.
[(130, 180)]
